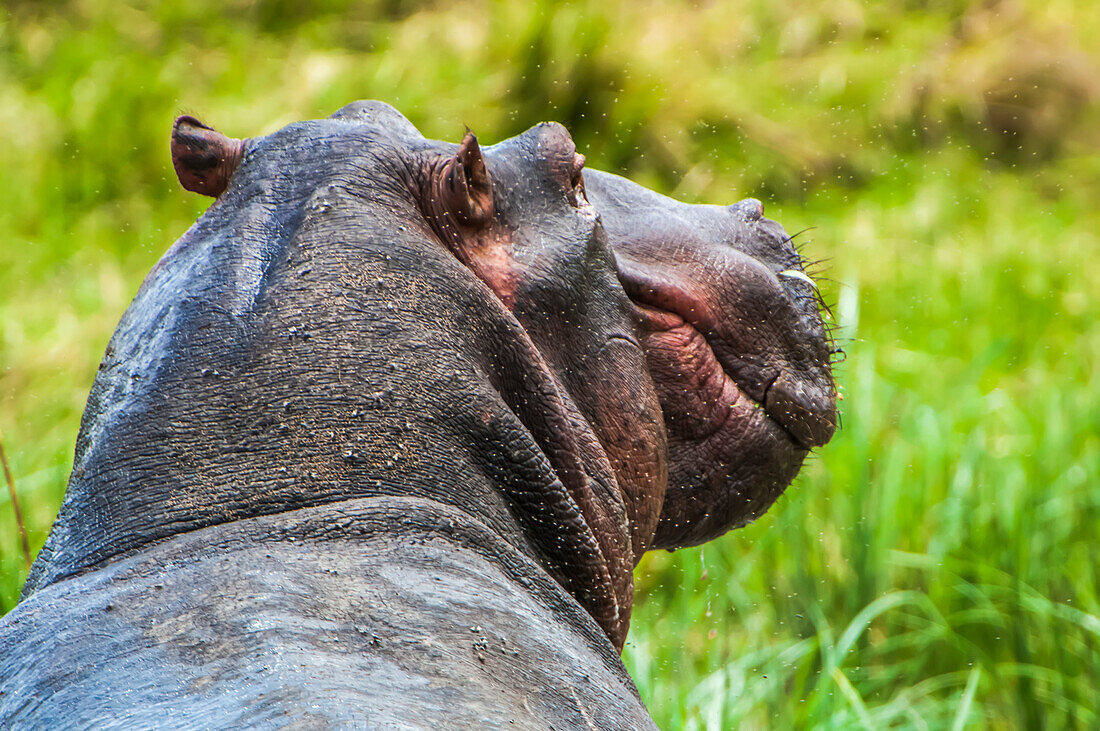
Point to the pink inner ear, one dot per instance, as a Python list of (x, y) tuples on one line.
[(204, 158), (459, 205)]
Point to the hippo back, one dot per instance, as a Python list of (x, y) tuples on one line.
[(378, 613)]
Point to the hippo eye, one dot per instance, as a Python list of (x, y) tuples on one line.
[(577, 196)]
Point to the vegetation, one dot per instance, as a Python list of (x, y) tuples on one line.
[(934, 566)]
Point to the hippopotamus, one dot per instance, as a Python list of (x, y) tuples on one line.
[(381, 438)]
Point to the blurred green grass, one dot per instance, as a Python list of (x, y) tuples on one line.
[(934, 566)]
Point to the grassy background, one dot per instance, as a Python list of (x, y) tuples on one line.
[(935, 566)]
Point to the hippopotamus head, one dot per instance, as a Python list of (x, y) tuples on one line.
[(589, 372)]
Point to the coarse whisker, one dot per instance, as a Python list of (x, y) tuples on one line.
[(819, 278), (821, 303), (795, 235)]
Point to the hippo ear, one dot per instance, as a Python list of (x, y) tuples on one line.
[(466, 191), (204, 158)]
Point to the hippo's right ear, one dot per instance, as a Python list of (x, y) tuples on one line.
[(204, 158), (464, 186)]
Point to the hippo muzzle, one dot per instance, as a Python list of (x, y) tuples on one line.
[(735, 345)]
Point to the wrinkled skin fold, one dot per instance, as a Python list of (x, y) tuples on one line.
[(387, 390)]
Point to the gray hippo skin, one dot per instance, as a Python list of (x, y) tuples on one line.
[(382, 437)]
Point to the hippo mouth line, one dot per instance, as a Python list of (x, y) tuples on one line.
[(718, 394), (687, 337)]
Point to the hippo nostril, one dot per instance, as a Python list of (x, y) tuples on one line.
[(749, 209)]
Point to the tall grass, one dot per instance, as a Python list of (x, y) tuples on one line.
[(933, 566)]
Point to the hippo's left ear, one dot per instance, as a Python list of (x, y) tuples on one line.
[(464, 186), (204, 158)]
